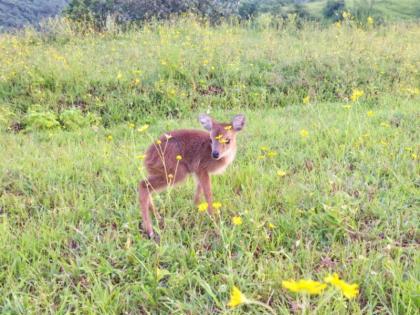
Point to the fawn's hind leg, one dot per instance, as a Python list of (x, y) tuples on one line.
[(145, 189), (154, 184), (197, 194), (155, 213)]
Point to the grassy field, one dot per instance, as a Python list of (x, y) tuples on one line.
[(389, 10), (326, 178)]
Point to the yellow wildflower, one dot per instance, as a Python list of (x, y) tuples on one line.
[(217, 205), (236, 298), (304, 286), (385, 124), (179, 157), (128, 243), (414, 156), (172, 92), (338, 24), (143, 128), (136, 81), (141, 156), (271, 226), (347, 106), (272, 154), (412, 91), (218, 137), (281, 173), (349, 290), (304, 133), (346, 15), (264, 148), (131, 125), (228, 127), (203, 206), (356, 94), (370, 20), (236, 220), (119, 76), (306, 100), (158, 141), (370, 113), (109, 137)]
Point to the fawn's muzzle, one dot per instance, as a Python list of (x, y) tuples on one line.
[(215, 155)]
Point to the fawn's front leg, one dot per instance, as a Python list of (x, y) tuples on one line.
[(205, 183)]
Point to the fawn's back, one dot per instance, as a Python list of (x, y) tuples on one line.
[(192, 147), (193, 150)]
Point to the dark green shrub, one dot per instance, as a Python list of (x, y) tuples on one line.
[(96, 12), (333, 9)]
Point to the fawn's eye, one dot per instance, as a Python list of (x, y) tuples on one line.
[(227, 141)]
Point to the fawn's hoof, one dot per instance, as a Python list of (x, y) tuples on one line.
[(153, 237), (156, 238), (150, 235)]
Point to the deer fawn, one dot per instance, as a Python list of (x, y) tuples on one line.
[(182, 152)]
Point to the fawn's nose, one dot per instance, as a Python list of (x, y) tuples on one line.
[(215, 154)]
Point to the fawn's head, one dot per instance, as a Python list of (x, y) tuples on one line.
[(223, 136)]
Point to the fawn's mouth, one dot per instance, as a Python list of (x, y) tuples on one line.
[(215, 155)]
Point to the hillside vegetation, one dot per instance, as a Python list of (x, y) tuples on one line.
[(18, 13), (326, 178), (168, 69)]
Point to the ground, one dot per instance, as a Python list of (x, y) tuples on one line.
[(320, 188)]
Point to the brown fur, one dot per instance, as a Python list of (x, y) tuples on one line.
[(196, 148)]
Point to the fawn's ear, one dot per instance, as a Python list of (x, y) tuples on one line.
[(238, 122), (205, 121)]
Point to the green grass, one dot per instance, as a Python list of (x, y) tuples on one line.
[(346, 205), (315, 8), (399, 10), (69, 238), (389, 10)]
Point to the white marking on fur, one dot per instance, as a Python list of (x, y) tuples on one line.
[(228, 158)]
